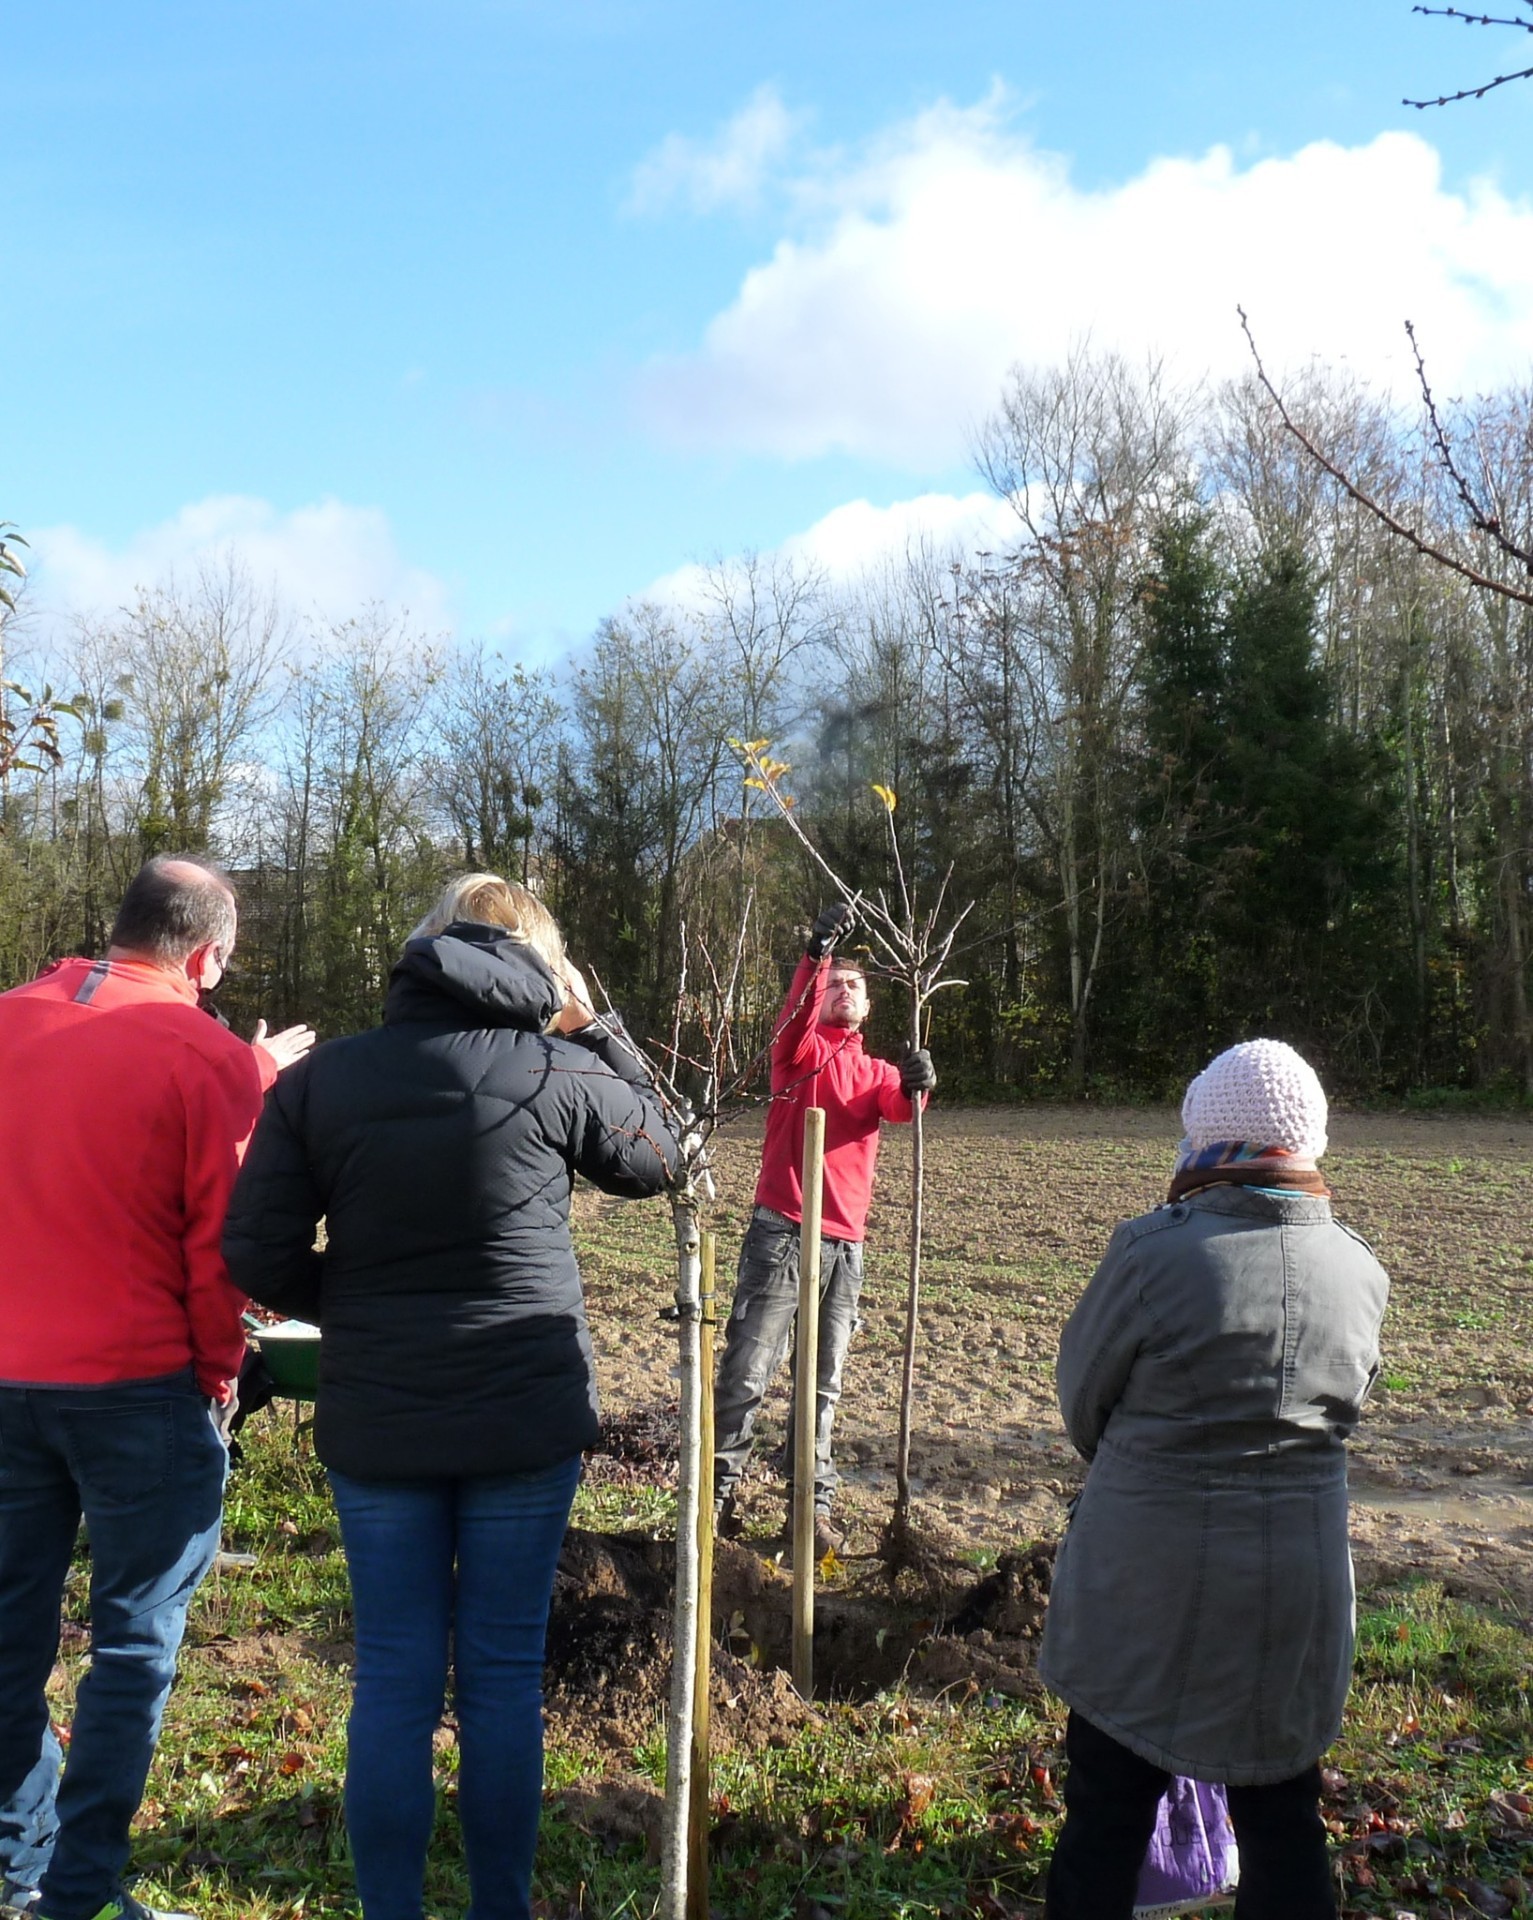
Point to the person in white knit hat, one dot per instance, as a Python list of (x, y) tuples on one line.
[(1201, 1617), (1254, 1116)]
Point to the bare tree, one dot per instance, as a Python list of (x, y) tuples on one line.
[(29, 729), (1088, 455), (195, 665), (498, 734)]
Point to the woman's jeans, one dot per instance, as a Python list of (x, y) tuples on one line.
[(141, 1462), (465, 1567), (1111, 1799)]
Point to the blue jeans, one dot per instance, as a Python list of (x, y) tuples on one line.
[(141, 1463), (469, 1563), (756, 1338)]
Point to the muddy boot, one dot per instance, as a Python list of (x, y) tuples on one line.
[(828, 1536), (728, 1521)]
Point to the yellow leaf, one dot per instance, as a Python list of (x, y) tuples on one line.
[(886, 794), (759, 785)]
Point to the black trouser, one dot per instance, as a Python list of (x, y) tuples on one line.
[(1111, 1798)]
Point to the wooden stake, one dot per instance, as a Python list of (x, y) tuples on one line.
[(698, 1814), (678, 1747), (806, 1400)]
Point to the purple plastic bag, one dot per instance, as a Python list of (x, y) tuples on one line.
[(1191, 1862)]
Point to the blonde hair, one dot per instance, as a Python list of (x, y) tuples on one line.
[(489, 901)]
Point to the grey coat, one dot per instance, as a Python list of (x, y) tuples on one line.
[(1202, 1611)]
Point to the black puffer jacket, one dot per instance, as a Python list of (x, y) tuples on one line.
[(440, 1149)]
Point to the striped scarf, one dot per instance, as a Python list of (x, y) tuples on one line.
[(1237, 1163)]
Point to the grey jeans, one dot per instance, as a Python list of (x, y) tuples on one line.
[(760, 1323)]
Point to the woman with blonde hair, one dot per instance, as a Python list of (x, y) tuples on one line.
[(457, 1387)]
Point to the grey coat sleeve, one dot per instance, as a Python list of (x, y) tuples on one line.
[(275, 1209), (1098, 1346)]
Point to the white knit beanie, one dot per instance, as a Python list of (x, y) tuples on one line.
[(1261, 1092)]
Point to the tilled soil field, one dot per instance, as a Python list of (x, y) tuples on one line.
[(1020, 1203)]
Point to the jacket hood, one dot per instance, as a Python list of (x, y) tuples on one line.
[(481, 971)]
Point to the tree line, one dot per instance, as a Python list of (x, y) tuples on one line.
[(1213, 754)]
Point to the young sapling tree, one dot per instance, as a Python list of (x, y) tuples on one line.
[(913, 949)]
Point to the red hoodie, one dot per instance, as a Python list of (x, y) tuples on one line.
[(124, 1111), (815, 1066)]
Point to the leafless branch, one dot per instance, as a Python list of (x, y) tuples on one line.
[(1365, 499), (1488, 86), (1480, 519)]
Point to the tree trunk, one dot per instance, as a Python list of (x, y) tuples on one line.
[(901, 1527)]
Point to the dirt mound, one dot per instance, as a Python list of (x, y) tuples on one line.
[(1012, 1601), (637, 1447), (607, 1680), (607, 1677)]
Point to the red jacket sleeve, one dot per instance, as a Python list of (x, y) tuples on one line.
[(892, 1104), (221, 1102), (796, 1044)]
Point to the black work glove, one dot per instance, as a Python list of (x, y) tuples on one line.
[(831, 924), (917, 1074)]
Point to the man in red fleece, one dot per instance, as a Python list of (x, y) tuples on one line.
[(123, 1114), (817, 1061)]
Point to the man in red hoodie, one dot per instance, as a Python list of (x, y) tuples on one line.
[(123, 1114), (817, 1061)]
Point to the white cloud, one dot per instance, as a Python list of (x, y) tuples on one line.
[(915, 275), (732, 169), (857, 539), (328, 560)]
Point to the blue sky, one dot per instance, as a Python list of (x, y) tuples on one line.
[(507, 311)]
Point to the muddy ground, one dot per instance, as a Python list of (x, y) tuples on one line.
[(1020, 1205)]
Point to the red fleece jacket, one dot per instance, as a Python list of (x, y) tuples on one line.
[(815, 1066), (124, 1111)]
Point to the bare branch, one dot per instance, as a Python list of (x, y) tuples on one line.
[(1474, 20), (1482, 521), (1364, 499), (681, 992)]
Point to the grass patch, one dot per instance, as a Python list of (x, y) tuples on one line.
[(630, 1509), (907, 1807)]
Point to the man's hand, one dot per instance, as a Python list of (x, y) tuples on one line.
[(577, 1011), (222, 1411), (285, 1048), (833, 923), (917, 1074)]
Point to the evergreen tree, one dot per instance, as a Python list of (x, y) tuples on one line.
[(1301, 799), (1173, 992)]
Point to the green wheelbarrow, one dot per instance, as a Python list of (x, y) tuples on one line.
[(290, 1349)]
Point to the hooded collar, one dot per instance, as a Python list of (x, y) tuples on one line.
[(473, 976)]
